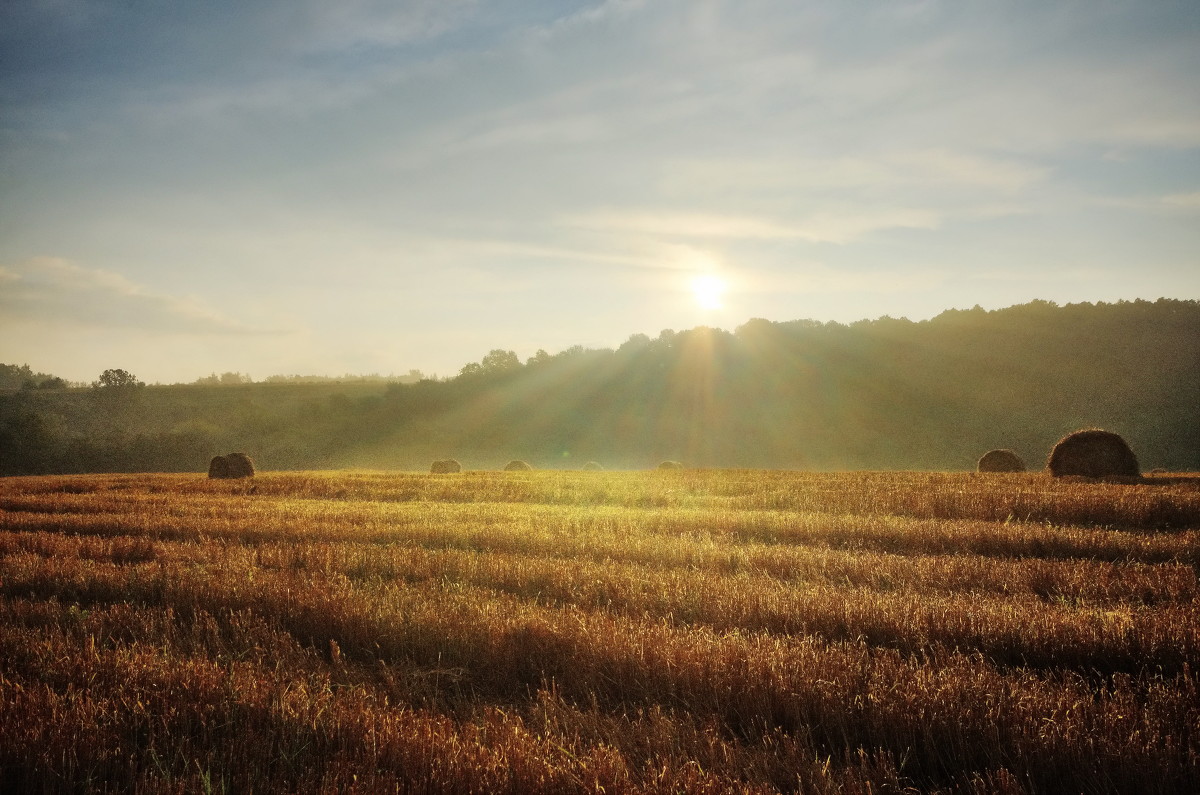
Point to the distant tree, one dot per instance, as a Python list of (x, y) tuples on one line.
[(636, 342), (20, 376), (118, 379), (224, 379), (14, 376), (52, 382), (541, 357), (498, 361), (573, 351)]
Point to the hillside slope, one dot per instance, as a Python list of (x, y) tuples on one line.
[(881, 394)]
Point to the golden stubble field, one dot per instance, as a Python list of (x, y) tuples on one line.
[(556, 632)]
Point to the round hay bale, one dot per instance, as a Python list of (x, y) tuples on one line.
[(517, 466), (240, 465), (592, 466), (670, 465), (218, 467), (445, 467), (1093, 453), (1000, 461)]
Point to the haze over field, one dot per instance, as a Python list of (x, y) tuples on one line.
[(308, 187)]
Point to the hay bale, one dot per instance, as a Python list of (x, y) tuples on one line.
[(445, 467), (1093, 453), (240, 465), (592, 466), (218, 468), (670, 465), (517, 466), (1000, 461)]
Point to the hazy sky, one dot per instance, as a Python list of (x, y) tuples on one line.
[(304, 186)]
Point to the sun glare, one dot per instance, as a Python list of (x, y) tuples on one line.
[(708, 290)]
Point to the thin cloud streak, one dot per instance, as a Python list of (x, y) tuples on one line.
[(50, 291), (822, 227)]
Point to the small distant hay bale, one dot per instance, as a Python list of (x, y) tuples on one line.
[(232, 466), (517, 466), (218, 468), (1093, 453), (240, 465), (1000, 461), (592, 466), (670, 465), (445, 467)]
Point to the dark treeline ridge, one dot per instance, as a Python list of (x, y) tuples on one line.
[(881, 394), (19, 376)]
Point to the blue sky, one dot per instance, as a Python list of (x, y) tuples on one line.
[(297, 186)]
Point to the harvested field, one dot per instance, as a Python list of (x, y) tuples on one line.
[(664, 631)]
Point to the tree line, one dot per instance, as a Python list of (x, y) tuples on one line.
[(879, 394)]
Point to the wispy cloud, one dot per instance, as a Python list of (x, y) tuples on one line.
[(682, 224), (1170, 203), (354, 23), (1183, 201), (54, 292), (828, 226)]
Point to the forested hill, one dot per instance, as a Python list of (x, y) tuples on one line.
[(881, 394)]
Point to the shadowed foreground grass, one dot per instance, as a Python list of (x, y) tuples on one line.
[(547, 632)]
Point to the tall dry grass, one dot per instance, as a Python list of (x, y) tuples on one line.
[(689, 631)]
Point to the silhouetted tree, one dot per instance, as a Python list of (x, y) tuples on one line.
[(498, 361), (118, 379)]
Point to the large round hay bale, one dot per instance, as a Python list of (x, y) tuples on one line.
[(592, 466), (218, 467), (445, 467), (670, 465), (1093, 453), (240, 465), (1000, 461), (517, 466)]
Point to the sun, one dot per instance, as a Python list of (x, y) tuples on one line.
[(708, 290)]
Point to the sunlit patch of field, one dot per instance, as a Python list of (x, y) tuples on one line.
[(526, 632)]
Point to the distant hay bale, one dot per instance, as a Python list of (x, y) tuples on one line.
[(218, 467), (670, 465), (1000, 461), (592, 466), (240, 465), (232, 466), (1093, 453), (445, 467), (517, 466)]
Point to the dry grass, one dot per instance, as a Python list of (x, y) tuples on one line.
[(684, 631)]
